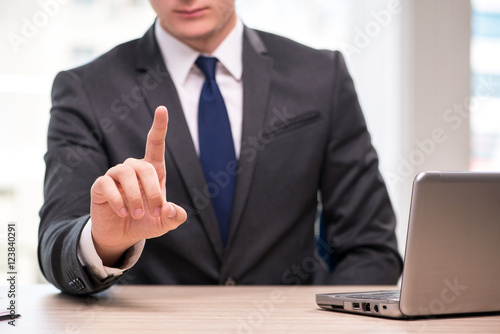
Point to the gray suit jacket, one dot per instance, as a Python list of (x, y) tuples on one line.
[(304, 138)]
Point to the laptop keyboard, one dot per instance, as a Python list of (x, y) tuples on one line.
[(377, 295)]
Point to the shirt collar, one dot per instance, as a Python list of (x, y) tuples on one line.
[(229, 52), (179, 58)]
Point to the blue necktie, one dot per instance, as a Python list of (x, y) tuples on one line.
[(217, 155)]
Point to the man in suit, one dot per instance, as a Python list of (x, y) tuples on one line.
[(296, 133)]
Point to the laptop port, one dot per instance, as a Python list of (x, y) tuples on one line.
[(337, 307), (355, 306), (375, 308), (366, 307)]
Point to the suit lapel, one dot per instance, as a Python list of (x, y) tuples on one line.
[(179, 144), (256, 82)]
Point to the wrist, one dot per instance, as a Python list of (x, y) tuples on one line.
[(111, 256)]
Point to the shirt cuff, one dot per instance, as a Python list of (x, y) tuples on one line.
[(88, 255)]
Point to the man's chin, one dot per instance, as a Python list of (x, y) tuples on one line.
[(197, 35), (199, 41)]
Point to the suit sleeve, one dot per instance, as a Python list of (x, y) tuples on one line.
[(358, 218), (75, 158)]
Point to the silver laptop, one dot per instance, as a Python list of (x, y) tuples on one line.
[(452, 258)]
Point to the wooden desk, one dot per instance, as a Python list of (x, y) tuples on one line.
[(210, 309)]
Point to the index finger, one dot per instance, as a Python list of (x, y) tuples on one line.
[(155, 145)]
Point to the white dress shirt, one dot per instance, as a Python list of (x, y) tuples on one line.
[(188, 79)]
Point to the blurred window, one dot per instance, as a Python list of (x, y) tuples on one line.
[(485, 85)]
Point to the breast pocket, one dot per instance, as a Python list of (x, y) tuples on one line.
[(293, 123)]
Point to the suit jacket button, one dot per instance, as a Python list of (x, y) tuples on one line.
[(230, 281)]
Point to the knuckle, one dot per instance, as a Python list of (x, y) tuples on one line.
[(148, 172), (115, 167), (155, 140), (127, 168), (124, 171), (115, 199), (156, 198), (118, 170), (129, 161), (101, 181), (135, 199), (145, 167)]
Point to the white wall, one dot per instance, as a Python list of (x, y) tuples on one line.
[(435, 77)]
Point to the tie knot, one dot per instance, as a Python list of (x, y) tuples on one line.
[(207, 66)]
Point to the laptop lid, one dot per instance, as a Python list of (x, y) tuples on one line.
[(452, 258)]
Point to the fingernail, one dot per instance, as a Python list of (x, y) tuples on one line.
[(138, 212), (171, 211), (157, 212), (124, 212)]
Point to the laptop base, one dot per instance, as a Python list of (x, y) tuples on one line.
[(346, 302)]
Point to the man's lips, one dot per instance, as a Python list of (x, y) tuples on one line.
[(191, 13)]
